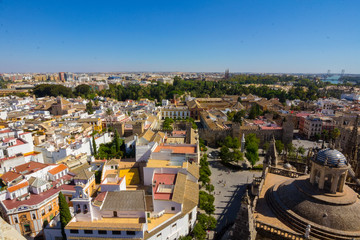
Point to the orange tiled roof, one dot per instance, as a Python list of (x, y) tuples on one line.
[(30, 167), (58, 169), (177, 148), (18, 186), (10, 176)]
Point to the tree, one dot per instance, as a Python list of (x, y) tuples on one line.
[(207, 222), (98, 177), (251, 138), (117, 141), (210, 188), (83, 90), (335, 133), (290, 148), (199, 232), (300, 150), (236, 156), (94, 146), (238, 116), (325, 135), (265, 146), (65, 215), (255, 112), (89, 108), (279, 146), (252, 153), (206, 202), (224, 154)]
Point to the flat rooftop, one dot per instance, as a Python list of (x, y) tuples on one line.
[(180, 148), (112, 223), (163, 186), (263, 212)]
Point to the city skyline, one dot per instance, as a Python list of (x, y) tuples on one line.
[(211, 36)]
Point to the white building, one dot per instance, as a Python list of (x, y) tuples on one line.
[(174, 112)]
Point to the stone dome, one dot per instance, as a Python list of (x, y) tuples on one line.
[(331, 157), (298, 203)]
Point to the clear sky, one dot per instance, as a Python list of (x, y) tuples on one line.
[(195, 35)]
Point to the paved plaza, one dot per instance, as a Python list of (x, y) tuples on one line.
[(229, 188)]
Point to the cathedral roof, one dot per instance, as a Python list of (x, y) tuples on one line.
[(331, 157)]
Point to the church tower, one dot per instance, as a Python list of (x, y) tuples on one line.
[(82, 204), (271, 158), (244, 227)]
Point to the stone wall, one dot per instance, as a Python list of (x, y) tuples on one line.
[(212, 137)]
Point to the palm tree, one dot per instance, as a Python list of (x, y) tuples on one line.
[(109, 112)]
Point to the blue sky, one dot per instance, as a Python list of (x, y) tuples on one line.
[(195, 35)]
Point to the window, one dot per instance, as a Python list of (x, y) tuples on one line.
[(172, 208), (42, 212), (117, 232), (50, 208), (102, 232), (174, 225), (130, 232), (27, 228), (115, 213), (34, 216), (85, 209), (88, 231), (74, 231), (16, 220), (190, 216)]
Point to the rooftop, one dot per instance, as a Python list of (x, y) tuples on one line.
[(39, 198), (112, 223), (30, 167), (125, 201), (58, 169), (178, 148), (163, 186)]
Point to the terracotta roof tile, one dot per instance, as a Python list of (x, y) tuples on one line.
[(18, 186), (58, 169), (30, 167), (10, 176)]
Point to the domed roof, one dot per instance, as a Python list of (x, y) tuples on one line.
[(331, 157), (298, 203)]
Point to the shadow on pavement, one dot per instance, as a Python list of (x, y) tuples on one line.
[(231, 209)]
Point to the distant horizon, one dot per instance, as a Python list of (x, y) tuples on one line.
[(116, 72), (260, 36)]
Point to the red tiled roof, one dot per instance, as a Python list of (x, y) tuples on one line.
[(258, 122), (100, 197), (5, 131), (18, 186), (10, 176), (58, 169), (163, 178), (18, 142), (5, 140), (30, 167), (177, 148), (8, 158), (38, 198)]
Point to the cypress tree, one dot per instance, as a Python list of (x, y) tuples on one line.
[(117, 141), (94, 146), (65, 215)]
